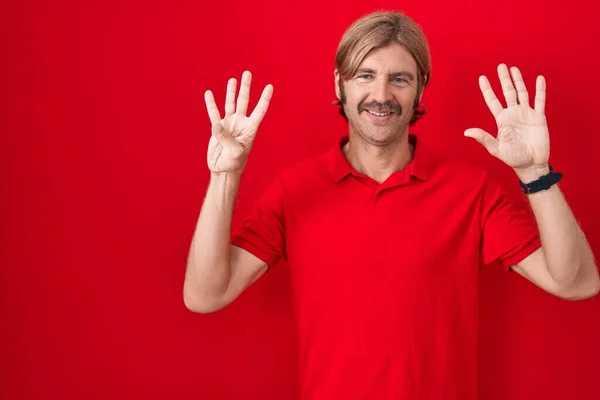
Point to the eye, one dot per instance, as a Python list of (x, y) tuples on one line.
[(365, 76), (399, 79)]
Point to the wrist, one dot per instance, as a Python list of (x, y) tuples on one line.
[(530, 174), (227, 178)]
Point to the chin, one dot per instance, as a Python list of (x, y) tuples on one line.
[(380, 136)]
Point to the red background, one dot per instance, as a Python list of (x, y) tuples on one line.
[(103, 171)]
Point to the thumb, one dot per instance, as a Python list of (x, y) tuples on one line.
[(485, 139), (231, 146)]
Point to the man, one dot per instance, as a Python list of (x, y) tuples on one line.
[(385, 239)]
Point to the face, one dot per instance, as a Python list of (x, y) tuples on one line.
[(379, 99)]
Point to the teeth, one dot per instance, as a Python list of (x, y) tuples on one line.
[(379, 114)]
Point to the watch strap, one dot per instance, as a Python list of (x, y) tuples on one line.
[(542, 183)]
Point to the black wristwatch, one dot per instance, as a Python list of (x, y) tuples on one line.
[(543, 183)]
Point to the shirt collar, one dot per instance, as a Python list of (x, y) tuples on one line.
[(340, 167)]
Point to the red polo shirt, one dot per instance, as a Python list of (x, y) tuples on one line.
[(385, 276)]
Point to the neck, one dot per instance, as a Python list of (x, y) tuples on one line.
[(378, 162)]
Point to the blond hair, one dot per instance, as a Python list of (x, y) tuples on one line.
[(377, 30)]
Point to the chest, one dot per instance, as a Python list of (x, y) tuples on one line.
[(392, 235)]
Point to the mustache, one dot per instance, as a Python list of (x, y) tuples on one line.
[(380, 107)]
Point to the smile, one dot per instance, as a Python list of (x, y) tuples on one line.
[(379, 114)]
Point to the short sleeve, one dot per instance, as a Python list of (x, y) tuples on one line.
[(510, 231), (262, 232)]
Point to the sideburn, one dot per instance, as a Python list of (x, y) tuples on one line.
[(342, 101)]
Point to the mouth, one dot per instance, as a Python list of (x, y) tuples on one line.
[(379, 114), (379, 117)]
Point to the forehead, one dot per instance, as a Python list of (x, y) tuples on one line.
[(391, 57)]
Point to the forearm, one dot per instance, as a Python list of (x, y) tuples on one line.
[(208, 268), (567, 253)]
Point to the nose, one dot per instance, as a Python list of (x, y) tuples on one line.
[(382, 92)]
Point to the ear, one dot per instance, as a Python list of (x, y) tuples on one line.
[(336, 80)]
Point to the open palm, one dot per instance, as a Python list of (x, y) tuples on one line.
[(233, 135), (522, 140)]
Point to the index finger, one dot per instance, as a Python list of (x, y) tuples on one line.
[(211, 107), (263, 104), (490, 97)]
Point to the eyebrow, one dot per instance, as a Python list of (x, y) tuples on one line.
[(363, 70)]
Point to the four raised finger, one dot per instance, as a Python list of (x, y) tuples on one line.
[(540, 94), (510, 95), (263, 104), (489, 96), (230, 97), (244, 95), (522, 94), (211, 107)]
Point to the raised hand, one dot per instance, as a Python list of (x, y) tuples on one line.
[(522, 141), (233, 135)]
